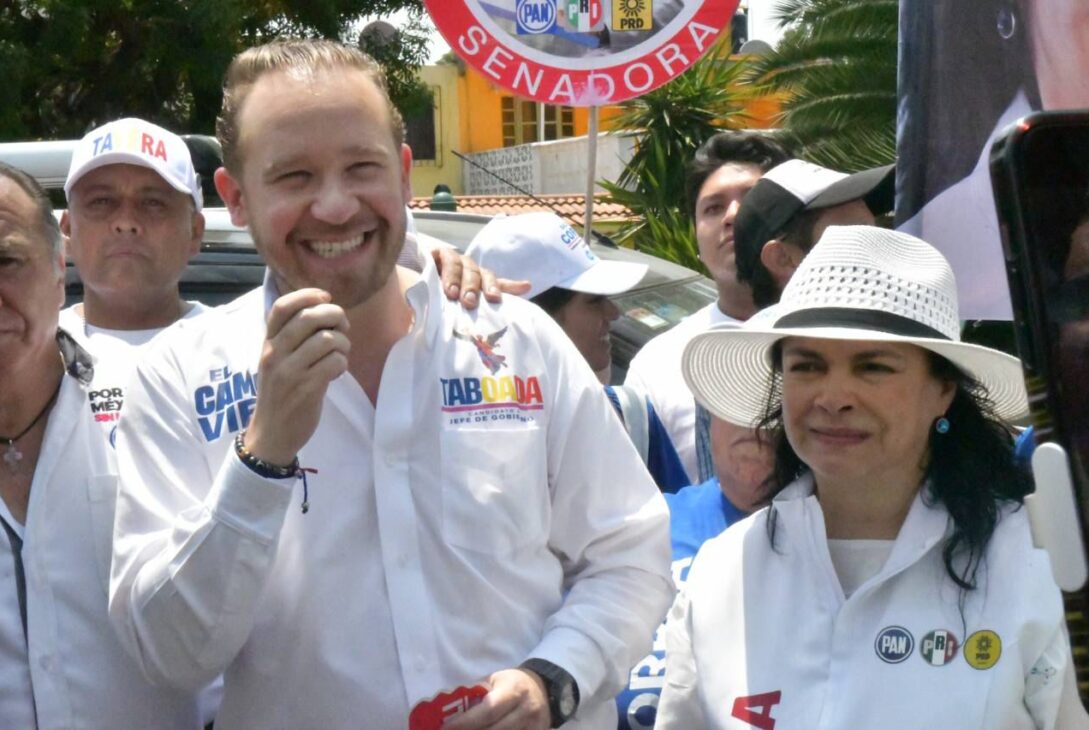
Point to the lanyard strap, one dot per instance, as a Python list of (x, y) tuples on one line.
[(20, 575)]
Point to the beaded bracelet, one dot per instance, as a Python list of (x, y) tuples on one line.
[(260, 466), (274, 471)]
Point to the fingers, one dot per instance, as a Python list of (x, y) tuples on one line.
[(491, 288), (304, 323), (515, 287), (449, 263), (284, 308), (470, 283), (516, 701)]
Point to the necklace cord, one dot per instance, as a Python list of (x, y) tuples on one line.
[(8, 441)]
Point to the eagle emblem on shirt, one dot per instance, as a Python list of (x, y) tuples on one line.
[(486, 346)]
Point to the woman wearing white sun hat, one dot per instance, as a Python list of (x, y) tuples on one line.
[(892, 582)]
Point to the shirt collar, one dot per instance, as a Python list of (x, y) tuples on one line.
[(425, 297), (925, 525), (77, 361)]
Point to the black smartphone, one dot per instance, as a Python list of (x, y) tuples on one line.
[(1040, 175)]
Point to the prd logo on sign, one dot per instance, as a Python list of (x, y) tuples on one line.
[(580, 52)]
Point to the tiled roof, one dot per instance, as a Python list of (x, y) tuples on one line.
[(565, 205)]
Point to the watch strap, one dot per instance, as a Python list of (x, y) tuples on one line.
[(557, 681)]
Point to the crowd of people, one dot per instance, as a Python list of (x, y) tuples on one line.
[(363, 495)]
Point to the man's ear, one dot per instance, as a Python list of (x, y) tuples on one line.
[(66, 225), (781, 259), (231, 192), (197, 233)]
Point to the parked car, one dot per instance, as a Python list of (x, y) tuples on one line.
[(228, 264)]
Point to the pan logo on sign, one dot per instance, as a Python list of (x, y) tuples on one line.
[(535, 16)]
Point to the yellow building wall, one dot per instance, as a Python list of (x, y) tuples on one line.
[(449, 133)]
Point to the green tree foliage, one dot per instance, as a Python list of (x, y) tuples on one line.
[(69, 65), (836, 64), (670, 123)]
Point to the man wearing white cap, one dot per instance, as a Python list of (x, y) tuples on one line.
[(570, 282), (133, 222)]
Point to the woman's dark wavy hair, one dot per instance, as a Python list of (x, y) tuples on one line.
[(971, 469)]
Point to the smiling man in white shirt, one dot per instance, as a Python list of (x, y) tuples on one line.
[(461, 525)]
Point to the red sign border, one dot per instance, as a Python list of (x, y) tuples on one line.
[(502, 65)]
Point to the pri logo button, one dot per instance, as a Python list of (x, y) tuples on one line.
[(535, 16), (938, 647), (894, 644), (982, 649)]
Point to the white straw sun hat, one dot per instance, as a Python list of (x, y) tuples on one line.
[(857, 283)]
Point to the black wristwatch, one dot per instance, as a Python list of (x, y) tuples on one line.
[(561, 688)]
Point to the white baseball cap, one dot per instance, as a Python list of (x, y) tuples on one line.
[(136, 142), (546, 250)]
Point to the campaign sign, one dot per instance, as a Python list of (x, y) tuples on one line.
[(580, 52)]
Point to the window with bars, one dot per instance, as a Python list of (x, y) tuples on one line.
[(519, 117)]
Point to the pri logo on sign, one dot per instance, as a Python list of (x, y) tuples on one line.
[(535, 16), (585, 16)]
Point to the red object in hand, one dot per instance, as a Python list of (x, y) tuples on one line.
[(431, 714)]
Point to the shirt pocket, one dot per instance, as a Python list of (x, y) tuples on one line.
[(102, 500), (495, 496)]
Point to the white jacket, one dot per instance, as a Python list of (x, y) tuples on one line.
[(490, 508), (763, 637)]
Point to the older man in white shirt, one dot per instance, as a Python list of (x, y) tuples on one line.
[(61, 665)]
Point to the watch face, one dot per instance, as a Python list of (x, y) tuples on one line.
[(567, 700)]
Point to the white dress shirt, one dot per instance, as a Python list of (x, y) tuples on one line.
[(70, 670), (656, 371), (489, 509), (762, 633)]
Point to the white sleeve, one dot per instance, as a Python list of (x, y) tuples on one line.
[(193, 544), (679, 706), (610, 530), (1045, 684)]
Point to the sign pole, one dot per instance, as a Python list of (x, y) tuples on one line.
[(591, 172)]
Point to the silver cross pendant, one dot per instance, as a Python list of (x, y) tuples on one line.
[(12, 456)]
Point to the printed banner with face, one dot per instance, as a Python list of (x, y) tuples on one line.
[(580, 52), (967, 71)]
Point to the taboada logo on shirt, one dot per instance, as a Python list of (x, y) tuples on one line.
[(506, 397), (224, 406), (486, 347)]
